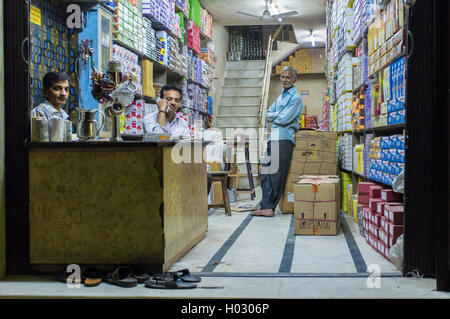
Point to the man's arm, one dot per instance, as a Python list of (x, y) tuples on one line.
[(152, 126), (290, 112), (270, 113)]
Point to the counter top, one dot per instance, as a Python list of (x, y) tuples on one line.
[(108, 144)]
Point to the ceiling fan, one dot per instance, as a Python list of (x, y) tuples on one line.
[(266, 16)]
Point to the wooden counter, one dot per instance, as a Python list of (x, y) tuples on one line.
[(114, 204)]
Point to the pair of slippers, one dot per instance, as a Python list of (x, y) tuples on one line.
[(127, 276), (90, 277), (181, 279)]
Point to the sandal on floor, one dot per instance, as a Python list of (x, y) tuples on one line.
[(139, 273), (93, 276), (122, 277), (186, 276), (167, 282)]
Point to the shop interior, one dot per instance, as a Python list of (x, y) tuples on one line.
[(100, 202)]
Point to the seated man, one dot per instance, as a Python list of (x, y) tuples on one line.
[(167, 119), (56, 92)]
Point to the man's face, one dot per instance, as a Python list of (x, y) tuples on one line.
[(173, 99), (287, 80), (58, 93)]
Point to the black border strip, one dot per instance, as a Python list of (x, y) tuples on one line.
[(227, 245), (357, 257), (288, 254), (294, 275)]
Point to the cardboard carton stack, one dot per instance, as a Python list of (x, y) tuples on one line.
[(314, 154), (383, 218), (316, 207)]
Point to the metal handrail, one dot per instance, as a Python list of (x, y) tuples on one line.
[(265, 92)]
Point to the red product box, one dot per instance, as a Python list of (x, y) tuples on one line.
[(373, 203), (394, 214), (363, 199), (384, 237), (389, 195), (385, 213), (395, 231), (375, 191), (376, 219), (380, 207), (363, 187)]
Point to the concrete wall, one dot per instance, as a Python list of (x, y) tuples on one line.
[(221, 44), (316, 84), (2, 150)]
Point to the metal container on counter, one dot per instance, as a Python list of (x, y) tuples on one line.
[(39, 129)]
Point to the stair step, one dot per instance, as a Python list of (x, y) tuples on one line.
[(239, 110), (237, 100), (244, 73), (243, 82), (246, 64), (236, 121), (241, 91)]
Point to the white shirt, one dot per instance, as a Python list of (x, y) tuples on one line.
[(178, 127), (47, 110)]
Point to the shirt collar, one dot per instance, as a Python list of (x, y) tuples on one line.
[(290, 91), (49, 107)]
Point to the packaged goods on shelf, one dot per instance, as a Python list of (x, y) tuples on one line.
[(345, 152), (128, 63), (206, 23), (358, 162), (316, 206), (346, 182), (133, 118), (128, 25), (160, 12), (314, 153), (195, 12), (194, 42)]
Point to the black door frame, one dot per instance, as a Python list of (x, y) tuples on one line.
[(17, 132)]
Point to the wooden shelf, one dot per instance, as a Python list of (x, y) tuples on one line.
[(388, 128)]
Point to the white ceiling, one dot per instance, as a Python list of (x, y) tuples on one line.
[(310, 15)]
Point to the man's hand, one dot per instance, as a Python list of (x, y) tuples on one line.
[(162, 105)]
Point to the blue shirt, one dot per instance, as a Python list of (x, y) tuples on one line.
[(285, 114)]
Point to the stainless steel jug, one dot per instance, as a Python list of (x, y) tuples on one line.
[(87, 128)]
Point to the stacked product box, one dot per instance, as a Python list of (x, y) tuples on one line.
[(129, 63), (195, 12), (358, 161), (358, 110), (368, 119), (164, 53), (206, 23), (316, 206), (383, 219), (207, 55), (194, 42), (387, 158), (324, 123), (345, 151), (150, 40), (366, 153), (133, 115), (346, 180), (397, 86), (128, 25), (344, 112), (183, 5), (160, 12)]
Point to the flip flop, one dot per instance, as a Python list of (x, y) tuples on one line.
[(186, 276), (122, 277), (168, 283), (139, 273), (93, 276)]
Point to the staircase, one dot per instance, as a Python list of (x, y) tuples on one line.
[(239, 106)]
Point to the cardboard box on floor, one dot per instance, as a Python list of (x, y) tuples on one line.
[(314, 154), (316, 206)]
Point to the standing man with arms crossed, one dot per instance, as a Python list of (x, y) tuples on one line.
[(285, 114)]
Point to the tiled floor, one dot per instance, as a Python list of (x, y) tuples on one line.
[(256, 257)]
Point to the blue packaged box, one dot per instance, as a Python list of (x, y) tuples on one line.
[(393, 156), (400, 116), (400, 103), (400, 156), (400, 142), (385, 142), (385, 166), (384, 154), (391, 118), (401, 167)]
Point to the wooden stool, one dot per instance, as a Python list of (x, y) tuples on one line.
[(222, 176), (251, 189)]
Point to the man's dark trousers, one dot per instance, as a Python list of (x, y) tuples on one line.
[(273, 182)]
